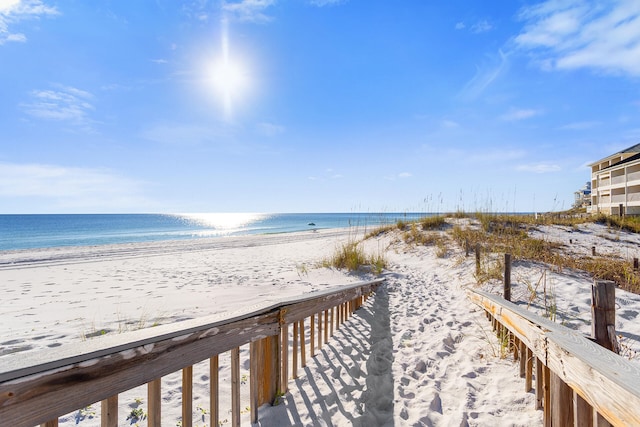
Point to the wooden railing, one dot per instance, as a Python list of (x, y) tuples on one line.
[(38, 388), (577, 382)]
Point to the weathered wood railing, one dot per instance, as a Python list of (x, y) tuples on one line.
[(38, 388), (577, 382)]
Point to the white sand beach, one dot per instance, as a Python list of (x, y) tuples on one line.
[(418, 353)]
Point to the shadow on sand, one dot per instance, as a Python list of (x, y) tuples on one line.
[(348, 382)]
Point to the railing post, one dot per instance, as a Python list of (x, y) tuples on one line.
[(507, 277), (312, 336), (214, 408), (603, 311), (477, 258), (187, 396), (294, 367), (284, 358), (52, 423), (155, 403), (561, 402), (235, 387), (109, 412), (303, 345)]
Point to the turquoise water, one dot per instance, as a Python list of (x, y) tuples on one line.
[(45, 231)]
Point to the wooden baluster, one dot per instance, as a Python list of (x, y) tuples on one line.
[(284, 357), (235, 387), (52, 423), (319, 330), (254, 400), (332, 321), (109, 412), (546, 405), (561, 402), (154, 393), (312, 336), (187, 396), (326, 326), (214, 406), (294, 370), (539, 385), (528, 379), (523, 359), (303, 345), (582, 411)]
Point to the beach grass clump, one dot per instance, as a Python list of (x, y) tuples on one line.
[(433, 222), (352, 257)]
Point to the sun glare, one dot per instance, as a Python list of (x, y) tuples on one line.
[(229, 76)]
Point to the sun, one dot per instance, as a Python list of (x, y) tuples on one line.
[(229, 77)]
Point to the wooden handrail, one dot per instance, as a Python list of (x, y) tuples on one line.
[(606, 381), (31, 385)]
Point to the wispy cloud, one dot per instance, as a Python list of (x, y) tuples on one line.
[(72, 188), (580, 125), (574, 34), (478, 27), (485, 75), (249, 10), (539, 167), (182, 134), (14, 11), (402, 175), (516, 114), (270, 129), (322, 3), (481, 27), (65, 103)]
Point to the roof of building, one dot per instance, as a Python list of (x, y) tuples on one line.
[(632, 149), (627, 160)]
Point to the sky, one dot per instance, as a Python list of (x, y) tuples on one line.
[(311, 105)]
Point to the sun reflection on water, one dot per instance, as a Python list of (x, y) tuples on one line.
[(223, 221)]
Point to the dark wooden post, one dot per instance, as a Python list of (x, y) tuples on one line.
[(635, 264), (593, 251), (477, 258), (507, 277), (603, 312)]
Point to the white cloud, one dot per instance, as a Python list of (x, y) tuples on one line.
[(574, 34), (326, 2), (270, 129), (66, 103), (249, 10), (402, 175), (520, 114), (63, 188), (14, 11), (539, 167), (481, 27), (460, 26)]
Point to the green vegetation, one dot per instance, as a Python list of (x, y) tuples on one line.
[(502, 233), (351, 256)]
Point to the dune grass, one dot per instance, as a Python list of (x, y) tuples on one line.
[(503, 233)]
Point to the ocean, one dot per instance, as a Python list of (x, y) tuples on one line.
[(46, 231)]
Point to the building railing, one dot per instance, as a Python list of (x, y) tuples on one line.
[(577, 382), (37, 388)]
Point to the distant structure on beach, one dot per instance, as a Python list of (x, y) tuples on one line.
[(583, 197), (615, 183)]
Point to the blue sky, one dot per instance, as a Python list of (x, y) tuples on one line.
[(311, 105)]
